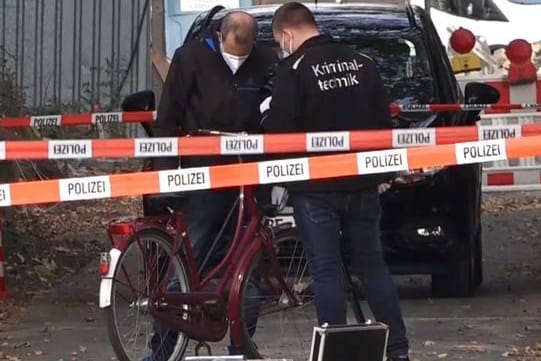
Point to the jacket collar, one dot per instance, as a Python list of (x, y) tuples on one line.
[(315, 41)]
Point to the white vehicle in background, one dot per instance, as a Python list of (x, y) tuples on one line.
[(497, 21)]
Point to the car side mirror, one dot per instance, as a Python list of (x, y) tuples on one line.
[(140, 101), (479, 93)]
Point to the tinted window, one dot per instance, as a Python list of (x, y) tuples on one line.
[(473, 9), (399, 52)]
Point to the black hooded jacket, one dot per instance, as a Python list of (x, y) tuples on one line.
[(327, 86)]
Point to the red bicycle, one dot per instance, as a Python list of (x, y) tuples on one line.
[(259, 291)]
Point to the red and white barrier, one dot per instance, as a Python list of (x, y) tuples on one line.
[(510, 94), (521, 179)]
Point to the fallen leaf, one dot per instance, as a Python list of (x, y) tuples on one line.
[(21, 344), (472, 348), (12, 358)]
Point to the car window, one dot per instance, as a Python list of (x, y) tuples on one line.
[(403, 65), (473, 9), (400, 56)]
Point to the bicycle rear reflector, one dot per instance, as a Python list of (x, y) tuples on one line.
[(105, 261), (120, 229), (364, 342)]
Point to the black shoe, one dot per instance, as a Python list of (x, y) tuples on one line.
[(235, 351), (398, 358)]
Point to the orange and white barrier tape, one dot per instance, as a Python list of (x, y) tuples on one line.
[(275, 171), (39, 121), (259, 144)]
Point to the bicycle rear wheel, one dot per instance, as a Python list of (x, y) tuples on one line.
[(273, 326), (134, 334)]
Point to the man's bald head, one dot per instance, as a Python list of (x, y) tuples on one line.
[(238, 32)]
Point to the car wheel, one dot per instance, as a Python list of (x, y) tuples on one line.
[(458, 280)]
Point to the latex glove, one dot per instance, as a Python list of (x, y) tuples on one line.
[(279, 196), (383, 187), (265, 105)]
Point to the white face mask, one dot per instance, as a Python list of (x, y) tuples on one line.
[(233, 61)]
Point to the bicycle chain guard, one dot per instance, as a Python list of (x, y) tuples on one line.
[(199, 315)]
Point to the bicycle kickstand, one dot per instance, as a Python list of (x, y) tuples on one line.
[(202, 344)]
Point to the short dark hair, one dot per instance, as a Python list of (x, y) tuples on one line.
[(293, 14), (231, 24)]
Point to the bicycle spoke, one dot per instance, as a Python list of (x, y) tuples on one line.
[(145, 266)]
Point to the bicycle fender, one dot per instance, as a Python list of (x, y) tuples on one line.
[(106, 283), (234, 297)]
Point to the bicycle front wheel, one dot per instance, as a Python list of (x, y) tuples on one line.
[(134, 334)]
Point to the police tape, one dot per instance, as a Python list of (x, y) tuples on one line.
[(438, 108), (259, 144), (266, 172), (40, 121)]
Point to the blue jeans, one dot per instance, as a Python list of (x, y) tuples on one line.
[(205, 213), (324, 221)]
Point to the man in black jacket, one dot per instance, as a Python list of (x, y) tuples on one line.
[(323, 86), (215, 83)]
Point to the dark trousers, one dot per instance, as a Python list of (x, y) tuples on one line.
[(324, 221)]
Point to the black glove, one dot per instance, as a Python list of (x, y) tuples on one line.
[(266, 89)]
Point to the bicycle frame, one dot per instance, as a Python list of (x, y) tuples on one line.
[(250, 236)]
